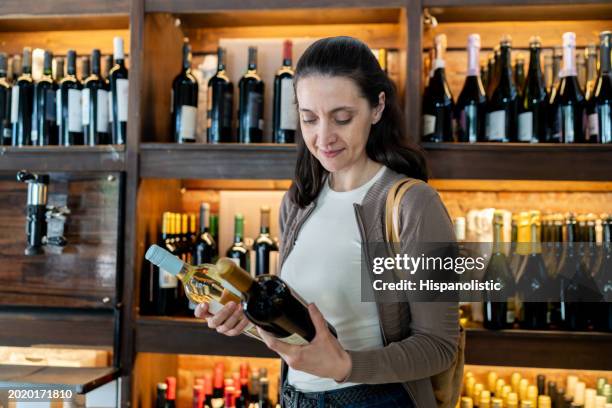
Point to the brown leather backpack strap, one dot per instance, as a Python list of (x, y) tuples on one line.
[(389, 209), (397, 206)]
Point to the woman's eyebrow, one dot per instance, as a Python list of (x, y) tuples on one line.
[(340, 108)]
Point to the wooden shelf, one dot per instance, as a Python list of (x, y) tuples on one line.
[(217, 161), (545, 349), (31, 326), (79, 380), (62, 158), (517, 161), (172, 335), (61, 8)]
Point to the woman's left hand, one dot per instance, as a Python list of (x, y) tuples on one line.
[(323, 356)]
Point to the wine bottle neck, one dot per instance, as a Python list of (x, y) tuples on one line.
[(505, 62), (238, 230), (186, 57), (497, 237), (204, 221), (534, 61), (604, 56)]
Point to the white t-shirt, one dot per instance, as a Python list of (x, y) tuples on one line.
[(324, 267)]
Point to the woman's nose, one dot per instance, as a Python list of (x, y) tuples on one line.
[(327, 135)]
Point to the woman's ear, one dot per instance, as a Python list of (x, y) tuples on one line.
[(378, 111)]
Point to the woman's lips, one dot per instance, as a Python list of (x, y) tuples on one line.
[(331, 153)]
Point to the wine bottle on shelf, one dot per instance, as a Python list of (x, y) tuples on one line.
[(162, 390), (590, 54), (496, 71), (264, 245), (95, 105), (533, 103), (69, 110), (22, 101), (519, 73), (184, 100), (58, 70), (502, 106), (264, 395), (471, 107), (548, 73), (250, 111), (108, 66), (556, 67), (484, 75), (206, 246), (496, 314), (163, 292), (220, 103), (239, 252), (603, 278), (533, 282), (119, 87), (272, 305), (85, 68), (171, 392), (438, 102), (5, 103), (44, 120), (567, 104), (16, 68), (285, 109), (490, 72), (602, 97)]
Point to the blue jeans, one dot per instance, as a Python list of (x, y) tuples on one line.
[(357, 396)]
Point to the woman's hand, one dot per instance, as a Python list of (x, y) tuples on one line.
[(323, 357), (230, 320)]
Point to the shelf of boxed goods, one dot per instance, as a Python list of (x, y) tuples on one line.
[(517, 161), (63, 158), (217, 161)]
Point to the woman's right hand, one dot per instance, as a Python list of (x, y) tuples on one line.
[(230, 320)]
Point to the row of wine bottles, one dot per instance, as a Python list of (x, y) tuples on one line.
[(60, 108), (497, 392), (160, 292), (507, 111), (243, 389), (562, 283)]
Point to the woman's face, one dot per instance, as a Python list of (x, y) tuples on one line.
[(335, 120)]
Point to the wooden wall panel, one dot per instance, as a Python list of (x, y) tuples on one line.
[(83, 273)]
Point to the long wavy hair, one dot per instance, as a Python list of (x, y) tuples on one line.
[(387, 143)]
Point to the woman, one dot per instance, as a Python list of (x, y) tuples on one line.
[(353, 148)]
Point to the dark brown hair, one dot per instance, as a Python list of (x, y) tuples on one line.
[(387, 143)]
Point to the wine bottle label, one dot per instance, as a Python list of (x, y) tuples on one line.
[(605, 120), (50, 108), (74, 111), (167, 280), (85, 106), (567, 121), (254, 110), (102, 111), (592, 127), (14, 104), (122, 99), (294, 339), (288, 110), (58, 106), (495, 126), (429, 124), (188, 122), (525, 126)]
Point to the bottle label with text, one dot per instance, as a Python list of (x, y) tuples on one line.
[(495, 126), (122, 99), (525, 126), (288, 113), (85, 106), (255, 110), (188, 122), (102, 111), (429, 124), (74, 111), (567, 114), (14, 103)]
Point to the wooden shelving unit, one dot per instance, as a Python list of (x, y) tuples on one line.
[(63, 159)]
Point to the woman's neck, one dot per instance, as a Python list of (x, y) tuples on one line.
[(355, 176)]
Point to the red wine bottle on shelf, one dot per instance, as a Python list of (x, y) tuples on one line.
[(533, 104), (119, 87), (184, 100), (5, 103), (69, 100), (471, 104), (95, 105), (437, 100), (22, 101), (602, 97), (567, 104), (285, 110), (251, 103), (220, 103), (44, 123), (264, 245), (502, 106)]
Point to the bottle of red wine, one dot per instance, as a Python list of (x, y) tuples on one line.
[(438, 102), (22, 101), (250, 111), (119, 86), (95, 105), (502, 107), (533, 104), (69, 101), (603, 90), (44, 126), (205, 249), (220, 103), (285, 110), (264, 245), (5, 103), (590, 55), (184, 100), (471, 105), (239, 252), (567, 104)]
